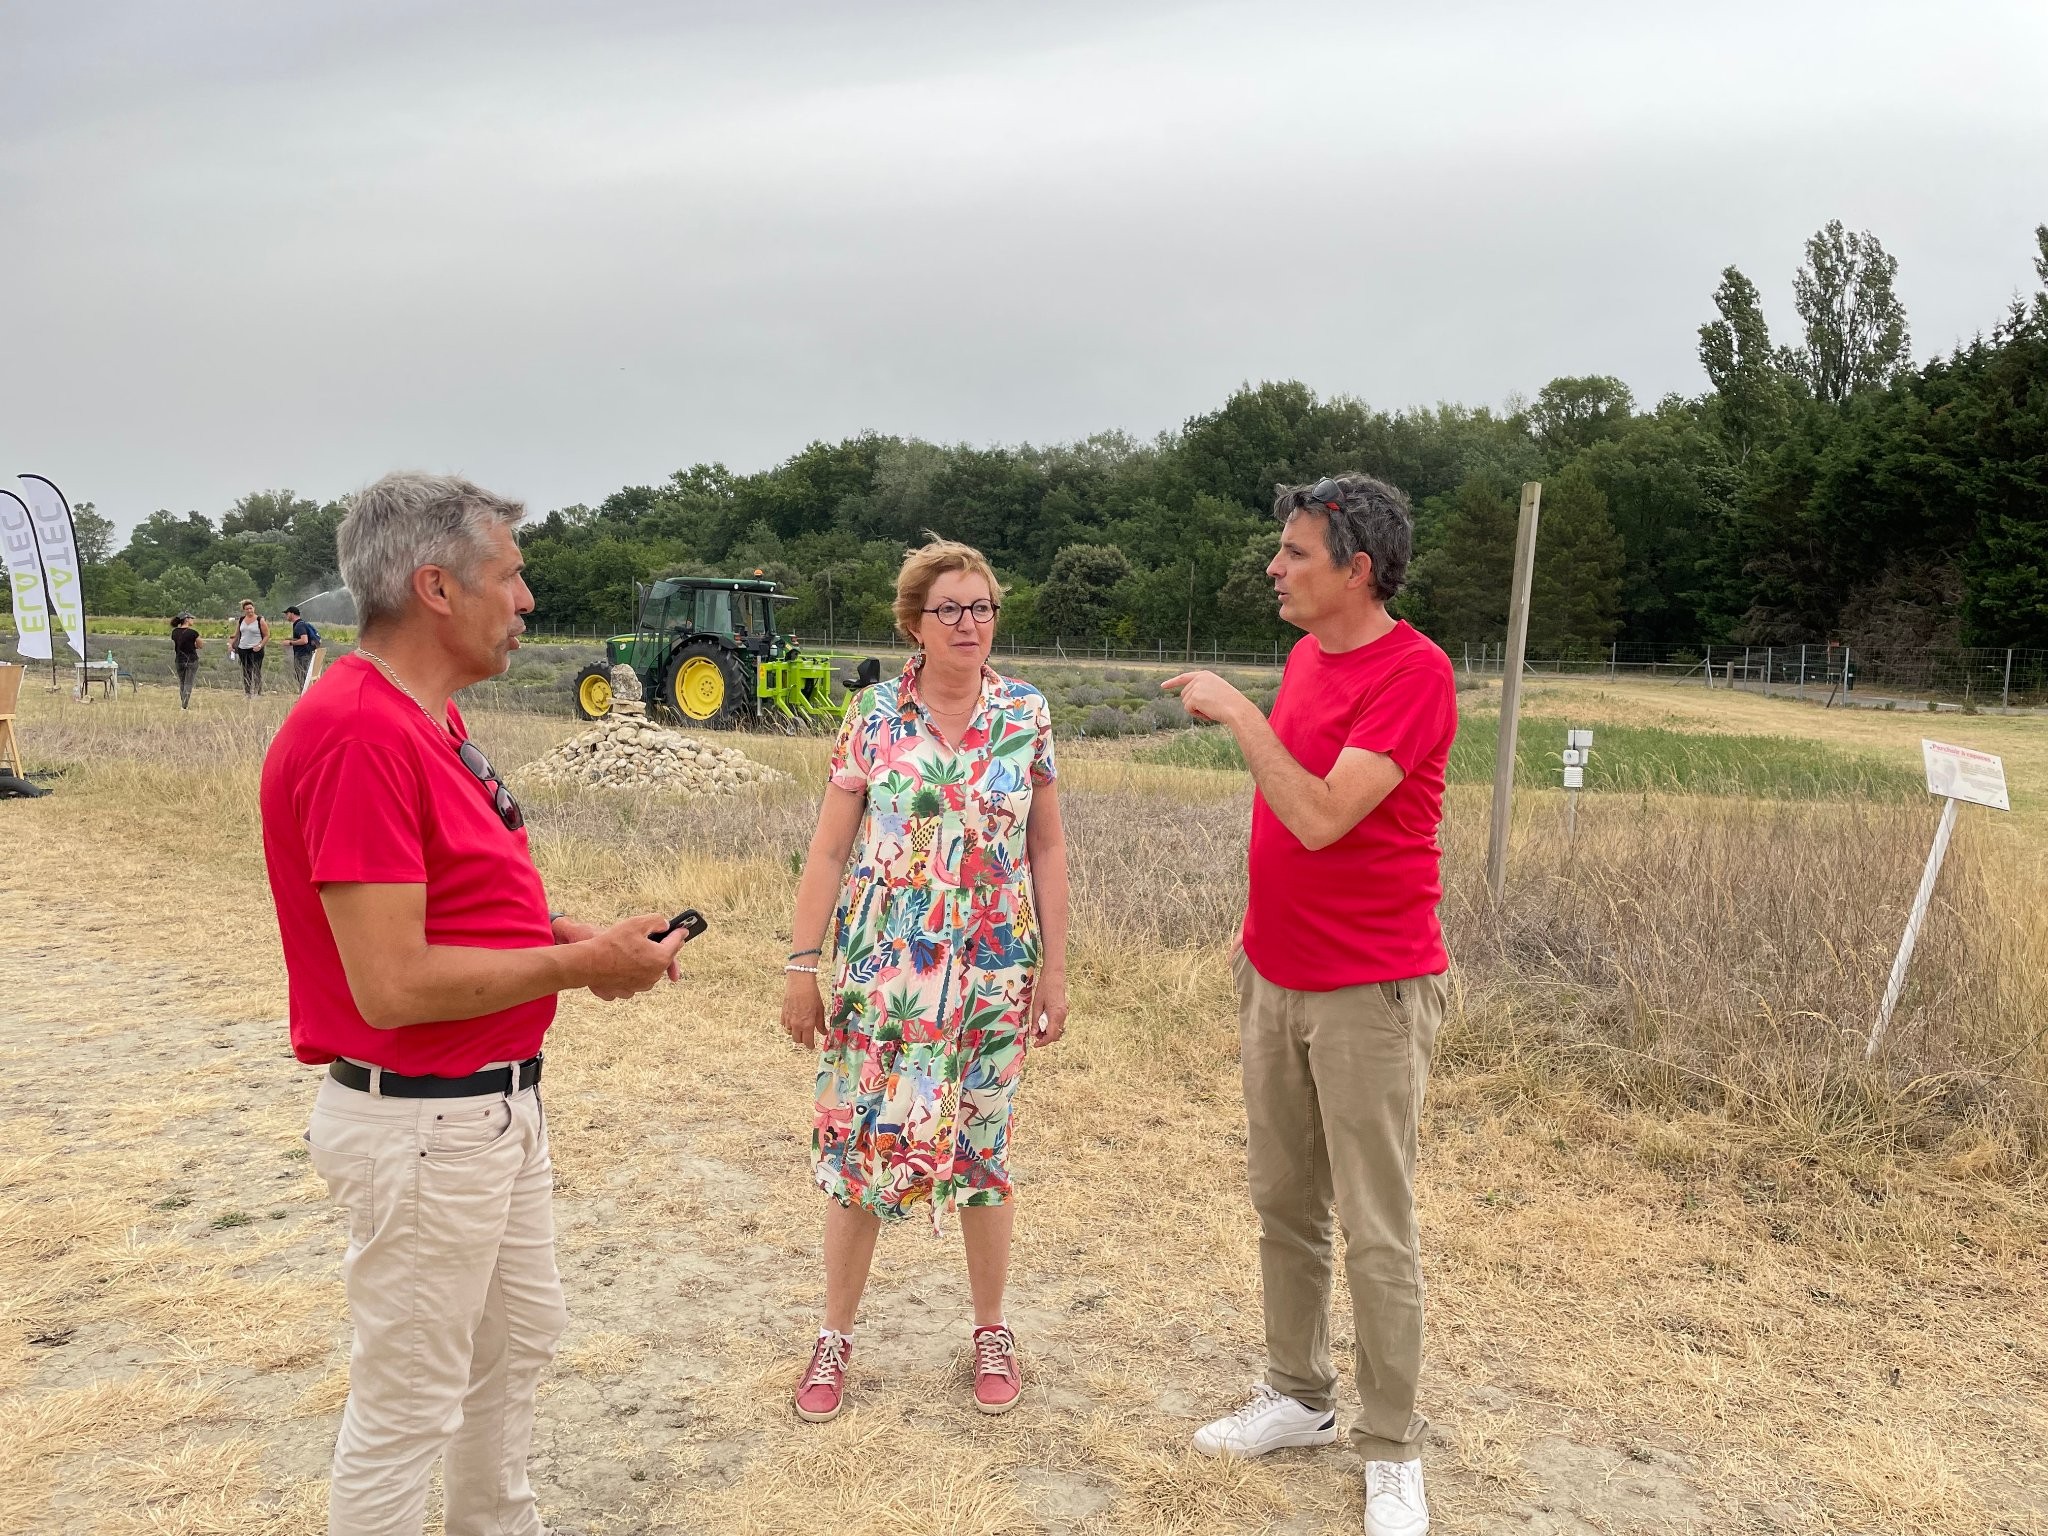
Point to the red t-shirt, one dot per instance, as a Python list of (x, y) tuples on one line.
[(359, 787), (1363, 909)]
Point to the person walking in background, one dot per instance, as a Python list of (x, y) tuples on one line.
[(422, 965), (252, 633), (951, 947), (185, 643), (1340, 980), (305, 644)]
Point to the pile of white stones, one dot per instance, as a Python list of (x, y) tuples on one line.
[(626, 750)]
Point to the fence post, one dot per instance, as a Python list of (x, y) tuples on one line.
[(1511, 691), (1709, 667), (1613, 660), (1767, 671), (1802, 669), (2005, 699)]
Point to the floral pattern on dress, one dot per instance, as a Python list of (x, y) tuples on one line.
[(937, 949)]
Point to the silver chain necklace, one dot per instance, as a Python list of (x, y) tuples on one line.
[(399, 683)]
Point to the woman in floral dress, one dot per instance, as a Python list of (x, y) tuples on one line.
[(940, 844)]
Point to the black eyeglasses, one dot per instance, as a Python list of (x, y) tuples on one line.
[(501, 801), (983, 610)]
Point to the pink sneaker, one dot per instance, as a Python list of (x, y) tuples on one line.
[(822, 1392), (997, 1381)]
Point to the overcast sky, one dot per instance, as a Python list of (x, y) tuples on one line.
[(565, 248)]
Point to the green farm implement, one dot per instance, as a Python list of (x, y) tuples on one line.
[(707, 652)]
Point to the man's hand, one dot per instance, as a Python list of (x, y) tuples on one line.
[(1046, 1009), (803, 1009), (1208, 697), (623, 962)]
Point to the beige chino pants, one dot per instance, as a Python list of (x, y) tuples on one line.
[(456, 1302), (1333, 1085)]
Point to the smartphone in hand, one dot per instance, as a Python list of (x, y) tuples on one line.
[(690, 920)]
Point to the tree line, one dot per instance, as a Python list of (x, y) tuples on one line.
[(1826, 488)]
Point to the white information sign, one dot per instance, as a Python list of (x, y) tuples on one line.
[(1961, 773)]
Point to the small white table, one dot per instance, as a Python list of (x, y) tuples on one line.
[(104, 675)]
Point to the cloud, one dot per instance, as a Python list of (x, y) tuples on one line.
[(563, 251)]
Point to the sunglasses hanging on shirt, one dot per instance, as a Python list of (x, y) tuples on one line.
[(501, 798)]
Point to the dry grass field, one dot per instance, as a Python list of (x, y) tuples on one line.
[(1693, 1267)]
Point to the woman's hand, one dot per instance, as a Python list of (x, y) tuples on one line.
[(1048, 1020), (803, 1009)]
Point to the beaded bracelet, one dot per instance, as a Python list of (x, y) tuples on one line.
[(800, 970), (798, 954)]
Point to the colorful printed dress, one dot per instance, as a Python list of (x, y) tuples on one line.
[(937, 951)]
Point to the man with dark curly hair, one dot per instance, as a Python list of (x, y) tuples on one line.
[(1340, 980)]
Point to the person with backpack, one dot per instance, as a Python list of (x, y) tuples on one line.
[(305, 643), (252, 632)]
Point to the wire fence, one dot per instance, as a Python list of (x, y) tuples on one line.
[(1980, 677), (1987, 678), (1159, 652)]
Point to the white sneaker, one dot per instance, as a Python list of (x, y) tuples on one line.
[(1394, 1505), (1268, 1422)]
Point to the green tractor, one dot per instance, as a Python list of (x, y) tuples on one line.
[(707, 653)]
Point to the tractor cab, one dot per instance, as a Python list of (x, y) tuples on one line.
[(707, 650)]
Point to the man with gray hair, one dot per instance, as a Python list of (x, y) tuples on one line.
[(1340, 980), (423, 964)]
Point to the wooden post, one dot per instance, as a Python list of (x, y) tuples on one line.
[(1511, 690), (2005, 699)]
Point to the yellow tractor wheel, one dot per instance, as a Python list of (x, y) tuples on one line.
[(700, 688), (703, 686), (593, 691)]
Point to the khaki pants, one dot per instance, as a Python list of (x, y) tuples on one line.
[(1333, 1085), (452, 1288)]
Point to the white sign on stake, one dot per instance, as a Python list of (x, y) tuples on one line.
[(1957, 774), (1963, 774)]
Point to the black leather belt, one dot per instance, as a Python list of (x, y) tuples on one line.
[(394, 1085)]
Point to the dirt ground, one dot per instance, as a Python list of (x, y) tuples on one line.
[(1626, 1334)]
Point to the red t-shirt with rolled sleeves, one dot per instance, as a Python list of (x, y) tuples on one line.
[(1362, 910), (359, 787)]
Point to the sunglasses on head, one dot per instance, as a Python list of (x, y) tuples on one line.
[(1327, 494), (481, 770)]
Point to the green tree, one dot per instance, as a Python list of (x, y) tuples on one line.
[(227, 585), (1855, 325), (1668, 481), (184, 590), (1458, 588), (1575, 592), (95, 534), (110, 589), (164, 539), (265, 512), (1572, 414), (1245, 602), (1077, 599), (1749, 375)]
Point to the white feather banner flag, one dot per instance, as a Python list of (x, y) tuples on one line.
[(63, 572), (24, 578)]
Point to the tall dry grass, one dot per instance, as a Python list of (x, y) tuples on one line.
[(1674, 1225)]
